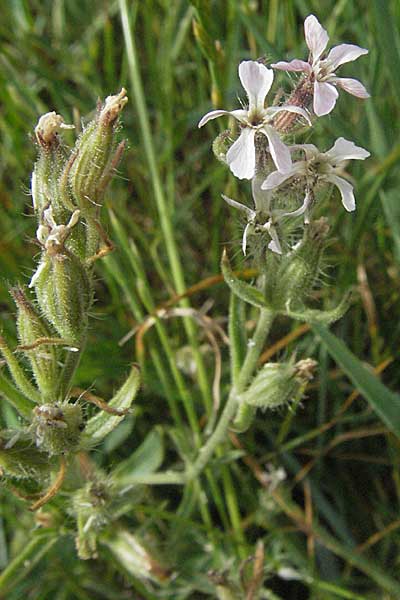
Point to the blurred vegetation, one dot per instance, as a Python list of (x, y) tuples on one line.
[(335, 519)]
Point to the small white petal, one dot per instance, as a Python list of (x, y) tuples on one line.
[(352, 86), (325, 96), (249, 213), (303, 208), (245, 234), (239, 115), (74, 219), (274, 244), (293, 65), (344, 53), (346, 191), (256, 80), (316, 36), (273, 110), (241, 156), (276, 179), (346, 150), (34, 191), (279, 151), (37, 274)]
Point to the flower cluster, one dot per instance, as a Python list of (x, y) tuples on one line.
[(283, 175)]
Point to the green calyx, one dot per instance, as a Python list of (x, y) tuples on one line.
[(300, 269), (57, 428), (37, 343), (277, 384)]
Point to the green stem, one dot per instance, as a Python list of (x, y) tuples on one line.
[(254, 350), (22, 564)]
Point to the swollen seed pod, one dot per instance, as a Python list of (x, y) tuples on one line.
[(64, 294), (96, 155), (62, 285), (276, 384), (43, 358), (300, 269)]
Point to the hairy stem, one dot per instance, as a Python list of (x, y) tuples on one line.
[(254, 350)]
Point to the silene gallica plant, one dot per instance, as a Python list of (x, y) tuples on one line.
[(282, 241)]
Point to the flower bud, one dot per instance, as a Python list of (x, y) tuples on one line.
[(48, 171), (96, 155), (277, 384), (43, 360), (134, 556), (90, 505), (57, 428), (221, 145)]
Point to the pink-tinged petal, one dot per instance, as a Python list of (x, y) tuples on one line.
[(271, 111), (239, 115), (241, 156), (345, 150), (293, 65), (256, 80), (346, 191), (316, 36), (352, 86), (276, 178), (344, 53), (325, 96), (279, 151)]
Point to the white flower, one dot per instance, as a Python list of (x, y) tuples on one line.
[(321, 166), (241, 156), (321, 71), (252, 226)]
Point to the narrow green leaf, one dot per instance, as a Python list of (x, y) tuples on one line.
[(243, 290), (384, 402), (309, 315), (146, 459), (15, 398), (103, 423)]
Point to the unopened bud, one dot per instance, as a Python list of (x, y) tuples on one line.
[(221, 145), (300, 268), (277, 384), (97, 155), (48, 127), (91, 506)]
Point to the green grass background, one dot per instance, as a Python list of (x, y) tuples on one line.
[(169, 223)]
